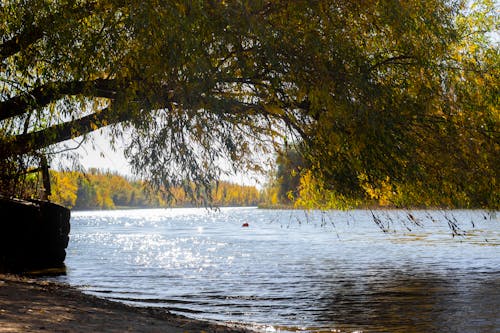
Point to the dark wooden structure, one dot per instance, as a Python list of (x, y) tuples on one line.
[(34, 234)]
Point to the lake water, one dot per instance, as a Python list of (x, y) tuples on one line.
[(296, 271)]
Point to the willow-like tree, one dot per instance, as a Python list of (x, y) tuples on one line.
[(374, 90)]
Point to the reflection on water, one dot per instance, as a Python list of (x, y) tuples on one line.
[(50, 271), (35, 272), (295, 271)]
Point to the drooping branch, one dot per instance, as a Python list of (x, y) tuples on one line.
[(234, 107), (32, 141), (29, 142), (50, 92)]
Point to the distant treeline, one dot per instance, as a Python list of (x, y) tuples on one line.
[(98, 189)]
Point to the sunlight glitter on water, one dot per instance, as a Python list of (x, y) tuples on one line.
[(293, 271)]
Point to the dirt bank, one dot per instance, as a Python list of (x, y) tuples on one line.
[(29, 305)]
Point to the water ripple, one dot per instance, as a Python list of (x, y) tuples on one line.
[(295, 271)]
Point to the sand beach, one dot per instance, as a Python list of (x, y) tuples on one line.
[(32, 305)]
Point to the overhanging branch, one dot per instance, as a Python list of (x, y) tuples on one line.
[(50, 92), (29, 142)]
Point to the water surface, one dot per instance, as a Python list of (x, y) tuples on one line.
[(291, 270)]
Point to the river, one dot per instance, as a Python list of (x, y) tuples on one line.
[(295, 270)]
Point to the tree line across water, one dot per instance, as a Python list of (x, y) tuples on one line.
[(100, 189), (290, 186)]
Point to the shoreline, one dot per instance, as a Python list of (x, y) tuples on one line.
[(33, 305)]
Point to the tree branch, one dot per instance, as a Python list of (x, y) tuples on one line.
[(29, 142), (389, 60), (50, 92)]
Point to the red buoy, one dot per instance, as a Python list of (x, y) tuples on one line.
[(245, 224)]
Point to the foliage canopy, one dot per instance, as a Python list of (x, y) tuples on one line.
[(370, 92)]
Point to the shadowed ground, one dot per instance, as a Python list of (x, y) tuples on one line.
[(33, 306)]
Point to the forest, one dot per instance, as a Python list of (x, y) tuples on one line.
[(100, 189)]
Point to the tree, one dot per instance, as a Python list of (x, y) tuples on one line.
[(419, 126), (290, 165), (370, 88), (64, 189), (86, 195)]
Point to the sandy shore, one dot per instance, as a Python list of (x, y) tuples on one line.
[(29, 305)]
